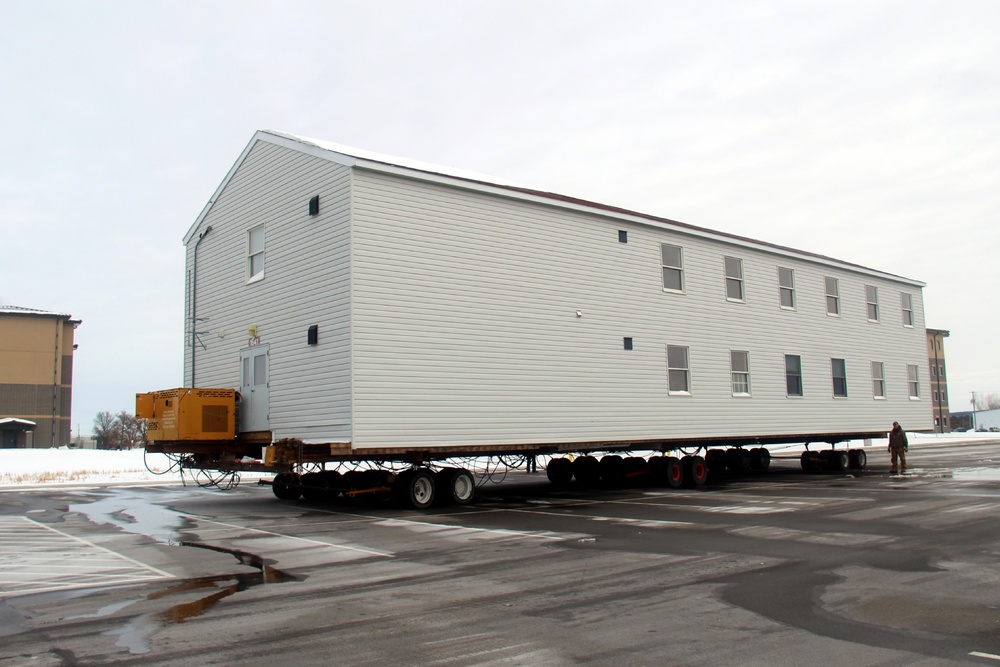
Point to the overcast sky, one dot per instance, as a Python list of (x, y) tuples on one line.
[(864, 130)]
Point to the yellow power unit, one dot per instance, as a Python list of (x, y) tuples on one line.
[(188, 414)]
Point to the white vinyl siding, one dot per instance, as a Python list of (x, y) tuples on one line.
[(786, 288), (672, 259), (734, 278)]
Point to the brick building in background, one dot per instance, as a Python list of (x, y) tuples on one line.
[(939, 380), (36, 377)]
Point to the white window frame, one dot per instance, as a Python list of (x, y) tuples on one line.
[(871, 303), (677, 267), (788, 289), (833, 375), (878, 380), (913, 381), (735, 280), (253, 253), (832, 297), (678, 369), (740, 376), (802, 391), (906, 302)]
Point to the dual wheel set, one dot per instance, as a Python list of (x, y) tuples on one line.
[(834, 459), (614, 470), (416, 487)]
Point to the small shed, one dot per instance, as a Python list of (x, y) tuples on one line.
[(16, 433)]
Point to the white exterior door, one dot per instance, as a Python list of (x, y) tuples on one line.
[(253, 388)]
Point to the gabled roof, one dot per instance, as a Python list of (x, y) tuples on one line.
[(34, 312), (358, 158), (13, 423)]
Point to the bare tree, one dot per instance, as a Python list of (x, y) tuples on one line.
[(132, 432), (106, 431), (986, 401)]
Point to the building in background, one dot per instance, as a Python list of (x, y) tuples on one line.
[(939, 379), (36, 377)]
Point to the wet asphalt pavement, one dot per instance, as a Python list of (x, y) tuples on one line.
[(776, 568)]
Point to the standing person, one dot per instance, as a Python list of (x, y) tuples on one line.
[(897, 448)]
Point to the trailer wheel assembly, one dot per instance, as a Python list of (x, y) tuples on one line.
[(613, 470), (811, 461), (837, 461), (695, 470), (559, 471), (455, 486), (760, 458), (858, 459), (715, 459), (415, 488), (738, 459), (286, 486), (315, 487), (587, 471), (675, 472)]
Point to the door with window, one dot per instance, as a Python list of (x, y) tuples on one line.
[(255, 402)]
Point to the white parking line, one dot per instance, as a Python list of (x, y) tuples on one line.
[(371, 552), (990, 656), (37, 558)]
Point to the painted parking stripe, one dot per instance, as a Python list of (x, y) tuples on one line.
[(38, 558)]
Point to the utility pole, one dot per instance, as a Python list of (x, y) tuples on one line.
[(973, 411)]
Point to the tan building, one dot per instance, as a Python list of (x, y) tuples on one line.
[(36, 377), (939, 379)]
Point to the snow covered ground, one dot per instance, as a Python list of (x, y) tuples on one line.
[(28, 467)]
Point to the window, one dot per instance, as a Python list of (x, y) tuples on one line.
[(255, 253), (627, 343), (839, 368), (933, 371), (871, 298), (734, 278), (678, 372), (941, 372), (913, 380), (673, 267), (739, 362), (907, 303), (832, 296), (793, 375), (937, 397), (878, 379), (622, 236), (786, 288), (944, 395)]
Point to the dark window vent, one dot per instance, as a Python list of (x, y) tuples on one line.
[(314, 205)]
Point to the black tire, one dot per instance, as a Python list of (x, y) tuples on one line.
[(657, 467), (812, 461), (738, 459), (613, 470), (455, 486), (860, 459), (636, 471), (587, 471), (315, 487), (286, 486), (837, 460), (715, 459), (559, 471), (675, 473), (760, 459), (695, 470), (414, 488)]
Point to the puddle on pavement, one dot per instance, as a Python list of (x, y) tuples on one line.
[(133, 511), (136, 634), (10, 620)]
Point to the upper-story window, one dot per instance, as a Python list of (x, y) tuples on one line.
[(678, 370), (255, 253), (871, 298), (839, 369), (786, 288), (672, 259), (734, 278), (832, 296), (739, 362), (793, 375), (906, 300)]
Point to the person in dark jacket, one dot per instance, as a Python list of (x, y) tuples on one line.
[(897, 448)]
